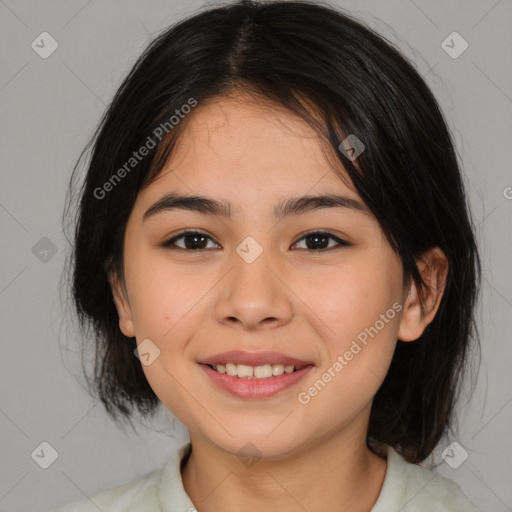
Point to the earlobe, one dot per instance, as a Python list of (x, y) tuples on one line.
[(122, 305), (410, 323), (420, 309)]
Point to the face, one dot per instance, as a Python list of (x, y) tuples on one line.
[(255, 282)]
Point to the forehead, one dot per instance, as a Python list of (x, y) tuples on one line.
[(239, 146)]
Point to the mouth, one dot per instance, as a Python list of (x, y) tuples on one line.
[(254, 375)]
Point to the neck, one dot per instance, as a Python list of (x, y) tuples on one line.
[(339, 473)]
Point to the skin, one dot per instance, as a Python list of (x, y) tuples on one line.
[(309, 304)]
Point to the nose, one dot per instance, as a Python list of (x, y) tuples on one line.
[(254, 296)]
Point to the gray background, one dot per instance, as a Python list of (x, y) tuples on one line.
[(49, 108)]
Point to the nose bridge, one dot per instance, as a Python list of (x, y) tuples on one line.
[(251, 276), (253, 293), (251, 264)]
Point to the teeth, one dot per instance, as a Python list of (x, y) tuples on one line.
[(255, 372), (277, 369), (243, 370), (263, 372)]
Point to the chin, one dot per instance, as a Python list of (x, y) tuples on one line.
[(251, 446)]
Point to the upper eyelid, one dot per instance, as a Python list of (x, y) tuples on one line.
[(172, 240)]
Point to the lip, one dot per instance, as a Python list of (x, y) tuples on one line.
[(254, 359), (255, 389)]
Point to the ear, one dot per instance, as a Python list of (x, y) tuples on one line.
[(420, 311), (122, 305)]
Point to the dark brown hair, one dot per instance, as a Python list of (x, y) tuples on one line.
[(342, 78)]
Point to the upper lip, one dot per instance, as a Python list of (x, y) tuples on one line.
[(253, 358)]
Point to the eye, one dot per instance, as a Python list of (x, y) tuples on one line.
[(193, 241), (319, 239), (196, 240)]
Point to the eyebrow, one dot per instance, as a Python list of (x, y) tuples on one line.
[(287, 207)]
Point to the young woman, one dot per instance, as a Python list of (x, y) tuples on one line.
[(273, 241)]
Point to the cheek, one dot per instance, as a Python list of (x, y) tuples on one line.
[(167, 303), (167, 312), (357, 311), (166, 297), (347, 299)]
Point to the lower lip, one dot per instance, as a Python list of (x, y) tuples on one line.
[(255, 388)]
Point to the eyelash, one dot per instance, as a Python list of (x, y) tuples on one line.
[(169, 243)]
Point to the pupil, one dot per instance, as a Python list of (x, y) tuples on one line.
[(316, 238), (193, 245)]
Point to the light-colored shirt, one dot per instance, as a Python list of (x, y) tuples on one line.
[(406, 488)]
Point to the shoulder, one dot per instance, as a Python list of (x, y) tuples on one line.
[(413, 488), (160, 489), (136, 495)]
